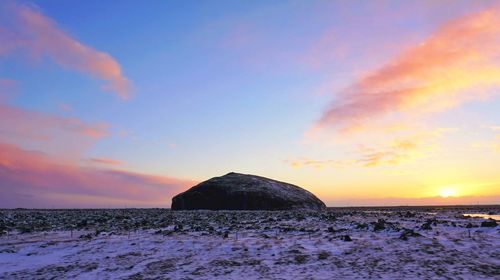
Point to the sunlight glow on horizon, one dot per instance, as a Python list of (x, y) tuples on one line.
[(448, 191)]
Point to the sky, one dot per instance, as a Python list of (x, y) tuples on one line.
[(360, 102)]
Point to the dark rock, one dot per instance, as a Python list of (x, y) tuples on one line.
[(346, 238), (427, 225), (178, 227), (25, 229), (379, 225), (87, 236), (323, 255), (98, 231), (409, 233), (489, 223), (236, 191), (469, 225), (300, 259), (409, 214), (362, 226), (82, 224), (8, 251)]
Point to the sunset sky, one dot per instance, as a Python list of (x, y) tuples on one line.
[(107, 104)]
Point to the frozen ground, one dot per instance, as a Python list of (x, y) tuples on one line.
[(390, 243)]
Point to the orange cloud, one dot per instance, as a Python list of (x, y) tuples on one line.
[(456, 63), (398, 152), (367, 157), (35, 179), (404, 148), (28, 29), (105, 161)]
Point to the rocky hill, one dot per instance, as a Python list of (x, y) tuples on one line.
[(235, 191)]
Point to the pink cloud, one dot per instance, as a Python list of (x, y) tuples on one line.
[(53, 178), (37, 125), (35, 179), (457, 63), (28, 29), (51, 133)]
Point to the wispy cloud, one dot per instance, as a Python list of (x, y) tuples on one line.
[(455, 64), (393, 154), (32, 128), (53, 178), (52, 133), (396, 152), (106, 161), (34, 179), (317, 164), (382, 117), (65, 137), (25, 28), (400, 149)]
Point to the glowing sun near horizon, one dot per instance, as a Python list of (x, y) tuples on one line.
[(448, 191)]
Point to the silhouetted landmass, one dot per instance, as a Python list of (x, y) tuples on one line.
[(235, 191)]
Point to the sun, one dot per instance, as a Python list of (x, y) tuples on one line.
[(448, 191)]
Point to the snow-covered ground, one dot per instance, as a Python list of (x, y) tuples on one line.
[(161, 244)]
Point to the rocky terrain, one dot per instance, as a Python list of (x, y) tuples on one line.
[(352, 243), (235, 191)]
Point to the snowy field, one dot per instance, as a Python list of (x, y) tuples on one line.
[(341, 243)]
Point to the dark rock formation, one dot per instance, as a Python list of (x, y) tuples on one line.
[(489, 223), (236, 191)]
